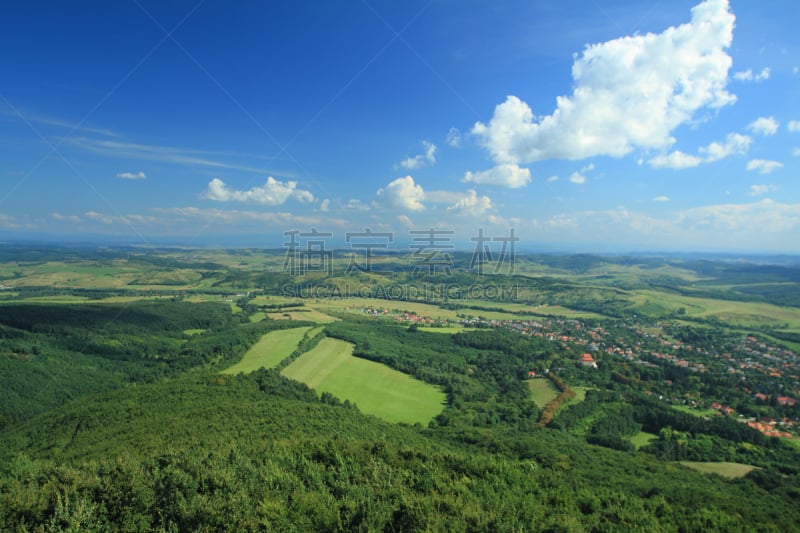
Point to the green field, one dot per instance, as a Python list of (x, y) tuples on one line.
[(642, 439), (659, 303), (446, 329), (542, 391), (302, 314), (696, 412), (355, 304), (375, 388), (728, 470), (519, 310), (270, 350)]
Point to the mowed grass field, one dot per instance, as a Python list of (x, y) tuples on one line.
[(375, 388), (642, 439), (542, 391), (728, 470), (270, 350)]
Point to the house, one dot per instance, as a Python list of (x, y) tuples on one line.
[(786, 401), (588, 360)]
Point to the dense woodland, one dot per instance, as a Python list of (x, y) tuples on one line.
[(115, 416)]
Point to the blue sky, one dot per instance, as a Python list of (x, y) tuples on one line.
[(602, 125)]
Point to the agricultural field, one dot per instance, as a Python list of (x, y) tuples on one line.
[(375, 388), (301, 314), (727, 470), (752, 314), (354, 305), (270, 350)]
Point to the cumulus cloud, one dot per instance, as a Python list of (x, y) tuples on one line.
[(628, 92), (763, 166), (758, 190), (675, 160), (132, 176), (661, 199), (551, 179), (793, 126), (504, 175), (734, 144), (324, 205), (471, 204), (403, 193), (764, 126), (421, 160), (454, 138), (273, 192), (747, 75), (579, 177)]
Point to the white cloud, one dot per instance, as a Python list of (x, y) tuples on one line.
[(131, 176), (793, 126), (577, 178), (763, 166), (758, 190), (471, 204), (505, 175), (661, 199), (735, 143), (324, 205), (764, 126), (629, 92), (405, 221), (796, 152), (454, 138), (551, 179), (675, 160), (354, 204), (273, 192), (99, 217), (421, 160), (65, 218), (403, 193), (8, 222), (747, 75)]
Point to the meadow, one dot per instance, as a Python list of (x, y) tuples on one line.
[(375, 388), (270, 350), (542, 391), (727, 470)]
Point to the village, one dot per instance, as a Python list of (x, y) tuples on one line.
[(766, 373)]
